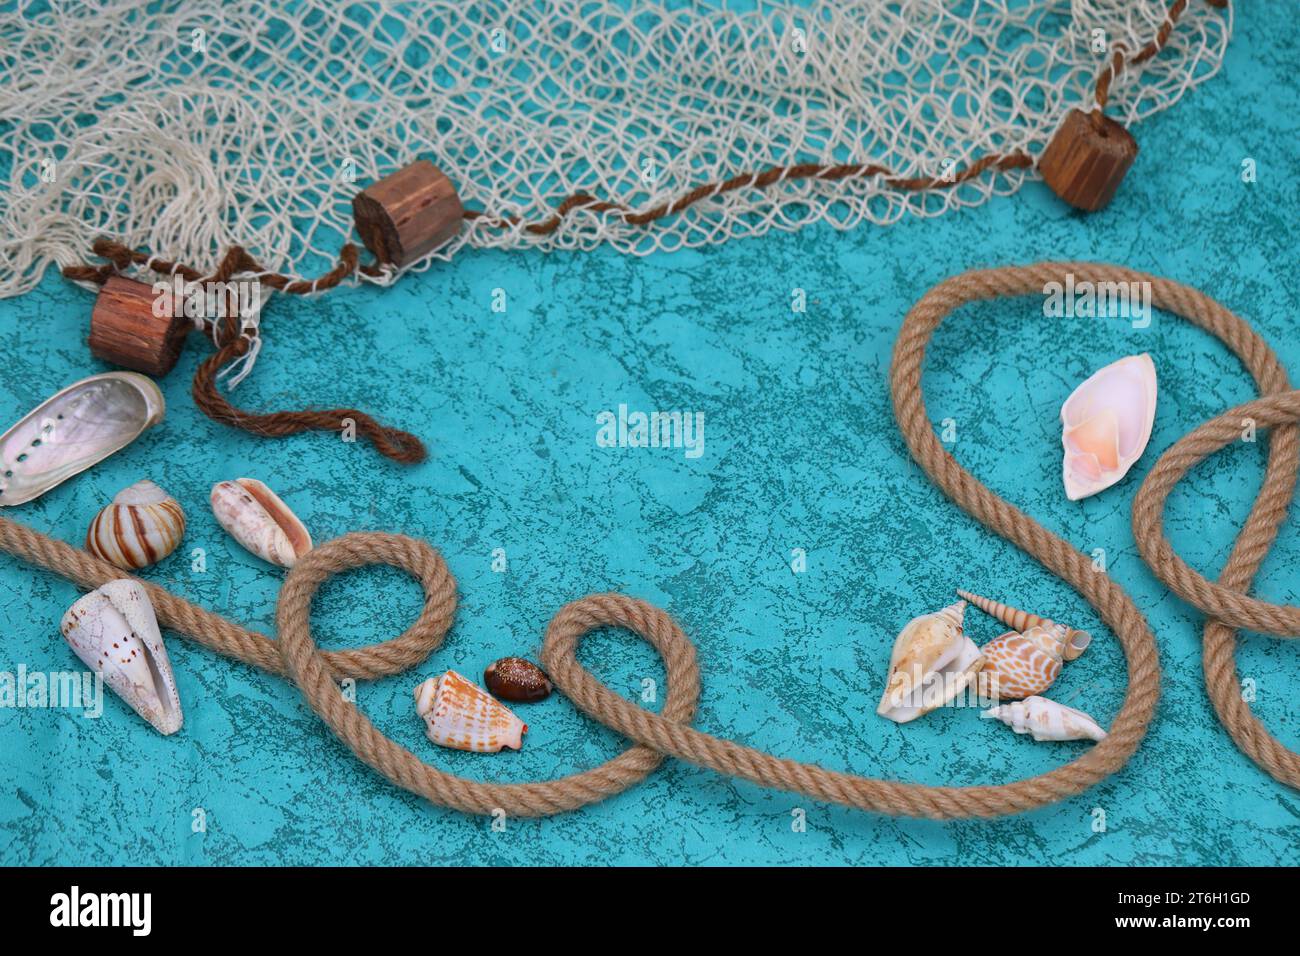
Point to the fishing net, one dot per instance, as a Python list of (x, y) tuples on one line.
[(185, 127)]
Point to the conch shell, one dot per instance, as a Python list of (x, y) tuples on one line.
[(1107, 423), (141, 526), (932, 662), (115, 632), (459, 715), (1076, 641), (1020, 665), (1047, 720), (74, 429), (257, 518)]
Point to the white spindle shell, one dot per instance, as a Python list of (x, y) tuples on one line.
[(1047, 720)]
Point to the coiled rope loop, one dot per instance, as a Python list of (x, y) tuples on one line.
[(668, 734), (1225, 603)]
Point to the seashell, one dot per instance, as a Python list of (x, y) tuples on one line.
[(459, 715), (114, 631), (257, 518), (513, 678), (1107, 423), (1020, 665), (73, 430), (932, 662), (141, 526), (1076, 641), (1047, 720)]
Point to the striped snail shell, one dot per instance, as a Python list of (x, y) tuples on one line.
[(141, 526)]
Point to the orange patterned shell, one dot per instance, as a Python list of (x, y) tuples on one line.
[(460, 715), (1017, 666)]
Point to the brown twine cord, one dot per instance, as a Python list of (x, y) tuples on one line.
[(1157, 43), (668, 734), (392, 443), (758, 180), (235, 260), (120, 256)]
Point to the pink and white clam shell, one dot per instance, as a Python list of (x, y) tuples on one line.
[(1107, 423)]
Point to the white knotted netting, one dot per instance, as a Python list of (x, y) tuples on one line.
[(184, 127)]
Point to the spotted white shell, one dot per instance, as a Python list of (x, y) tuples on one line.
[(141, 526), (114, 631)]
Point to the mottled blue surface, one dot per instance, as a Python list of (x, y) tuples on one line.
[(800, 452)]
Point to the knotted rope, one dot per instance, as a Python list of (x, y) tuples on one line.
[(669, 734)]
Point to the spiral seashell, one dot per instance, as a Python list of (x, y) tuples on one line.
[(1047, 720), (141, 526), (459, 715), (1076, 641), (256, 517), (1021, 665), (114, 631), (932, 662)]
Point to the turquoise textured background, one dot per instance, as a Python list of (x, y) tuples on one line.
[(801, 451)]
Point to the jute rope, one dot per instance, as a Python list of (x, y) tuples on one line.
[(669, 734), (1225, 603)]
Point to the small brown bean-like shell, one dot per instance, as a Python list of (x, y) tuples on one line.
[(513, 678)]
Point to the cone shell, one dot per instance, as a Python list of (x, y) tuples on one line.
[(1047, 720), (141, 526), (255, 516), (1020, 665), (1076, 641), (114, 631), (460, 715), (1106, 424), (932, 662)]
